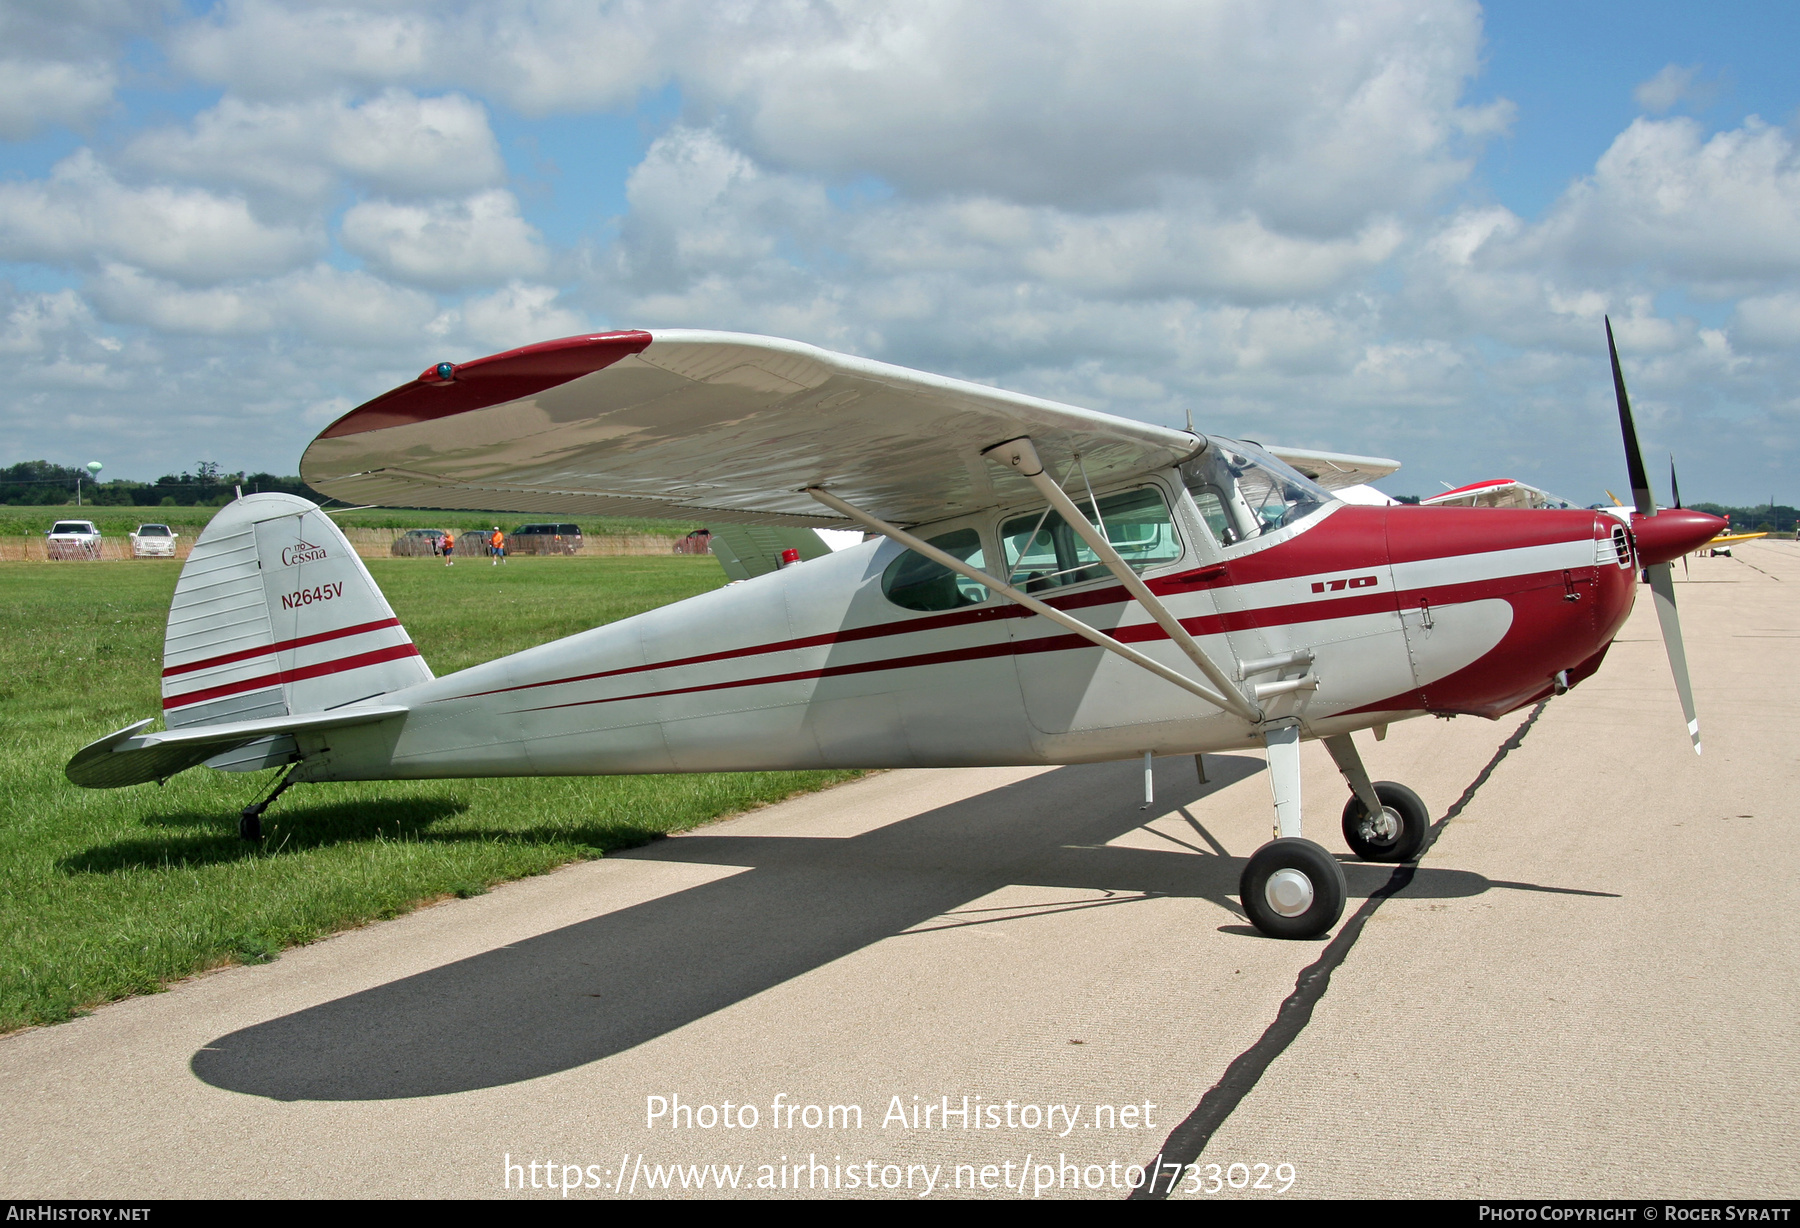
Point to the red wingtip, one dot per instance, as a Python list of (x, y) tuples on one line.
[(490, 381)]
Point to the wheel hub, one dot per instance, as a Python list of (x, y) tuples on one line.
[(1383, 828), (1289, 892)]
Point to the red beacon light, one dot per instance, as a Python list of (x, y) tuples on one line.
[(789, 557)]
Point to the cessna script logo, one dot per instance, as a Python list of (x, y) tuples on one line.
[(302, 552)]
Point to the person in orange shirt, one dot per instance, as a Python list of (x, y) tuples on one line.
[(449, 548), (498, 542)]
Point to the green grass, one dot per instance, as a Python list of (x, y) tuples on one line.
[(188, 521), (109, 893)]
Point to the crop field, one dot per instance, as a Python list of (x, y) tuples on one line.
[(109, 893)]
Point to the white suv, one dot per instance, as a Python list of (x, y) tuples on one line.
[(153, 541), (73, 539)]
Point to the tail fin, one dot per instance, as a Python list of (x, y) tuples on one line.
[(274, 615)]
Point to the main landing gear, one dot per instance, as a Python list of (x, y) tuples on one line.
[(1292, 887)]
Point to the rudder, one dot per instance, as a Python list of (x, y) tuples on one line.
[(275, 615)]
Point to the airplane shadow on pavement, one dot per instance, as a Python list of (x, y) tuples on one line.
[(586, 991)]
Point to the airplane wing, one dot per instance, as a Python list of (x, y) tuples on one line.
[(1335, 470), (715, 427), (1496, 492)]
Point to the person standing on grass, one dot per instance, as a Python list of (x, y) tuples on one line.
[(498, 543), (449, 549)]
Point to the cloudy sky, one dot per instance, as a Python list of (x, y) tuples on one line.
[(1386, 226)]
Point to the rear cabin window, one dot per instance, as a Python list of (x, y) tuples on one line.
[(1043, 552), (918, 583)]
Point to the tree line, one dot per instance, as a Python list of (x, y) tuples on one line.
[(40, 483)]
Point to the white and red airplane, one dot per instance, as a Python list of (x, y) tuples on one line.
[(1496, 492), (1050, 586)]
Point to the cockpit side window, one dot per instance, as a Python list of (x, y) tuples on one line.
[(1243, 492), (1043, 552)]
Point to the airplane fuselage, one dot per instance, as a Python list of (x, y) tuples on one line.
[(1404, 610)]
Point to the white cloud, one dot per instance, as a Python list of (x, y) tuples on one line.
[(516, 315), (321, 303), (1672, 85), (35, 322), (81, 214), (1768, 321), (1722, 211), (446, 244), (1317, 117), (540, 57), (397, 143), (34, 94)]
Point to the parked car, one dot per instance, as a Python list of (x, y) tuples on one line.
[(544, 539), (416, 542), (153, 541), (72, 539)]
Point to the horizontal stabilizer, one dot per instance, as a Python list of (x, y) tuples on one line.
[(747, 551), (129, 757)]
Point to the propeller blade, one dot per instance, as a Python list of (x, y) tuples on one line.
[(1662, 584), (1675, 493), (1634, 455)]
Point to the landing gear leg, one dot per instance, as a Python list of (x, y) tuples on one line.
[(250, 817), (1383, 821), (1291, 888)]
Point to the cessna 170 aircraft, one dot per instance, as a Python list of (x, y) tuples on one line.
[(1049, 586), (1496, 492)]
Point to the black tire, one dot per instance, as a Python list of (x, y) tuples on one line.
[(250, 827), (1323, 874), (1403, 844)]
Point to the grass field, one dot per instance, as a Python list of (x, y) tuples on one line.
[(109, 893)]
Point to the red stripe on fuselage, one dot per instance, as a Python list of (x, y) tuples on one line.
[(1309, 611), (248, 654), (1351, 539), (342, 664)]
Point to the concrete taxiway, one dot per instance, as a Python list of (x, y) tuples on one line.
[(1587, 988)]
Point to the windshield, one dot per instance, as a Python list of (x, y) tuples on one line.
[(71, 526), (1243, 492), (153, 530)]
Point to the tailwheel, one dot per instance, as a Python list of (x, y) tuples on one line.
[(1292, 888), (1396, 834)]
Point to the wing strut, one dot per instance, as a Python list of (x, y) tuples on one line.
[(1055, 615), (1021, 456)]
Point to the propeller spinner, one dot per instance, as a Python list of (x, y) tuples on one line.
[(1661, 538)]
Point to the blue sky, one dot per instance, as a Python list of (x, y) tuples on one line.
[(1387, 226)]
